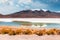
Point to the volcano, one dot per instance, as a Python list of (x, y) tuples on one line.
[(32, 14)]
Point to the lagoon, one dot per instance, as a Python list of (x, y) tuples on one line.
[(49, 25)]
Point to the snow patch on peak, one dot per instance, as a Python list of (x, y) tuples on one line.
[(39, 9), (44, 9)]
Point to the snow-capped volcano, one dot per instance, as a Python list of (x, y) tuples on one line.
[(32, 14)]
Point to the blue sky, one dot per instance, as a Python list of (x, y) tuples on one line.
[(11, 6)]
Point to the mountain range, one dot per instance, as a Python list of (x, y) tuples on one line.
[(32, 14)]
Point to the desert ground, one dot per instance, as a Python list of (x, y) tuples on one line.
[(29, 37)]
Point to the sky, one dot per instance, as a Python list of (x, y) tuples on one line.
[(11, 6)]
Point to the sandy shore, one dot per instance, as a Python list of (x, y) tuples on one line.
[(29, 37)]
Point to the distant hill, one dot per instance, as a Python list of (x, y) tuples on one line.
[(32, 14)]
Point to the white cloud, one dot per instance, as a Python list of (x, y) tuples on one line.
[(3, 1), (25, 1), (11, 3), (29, 4), (18, 5), (8, 9), (39, 5)]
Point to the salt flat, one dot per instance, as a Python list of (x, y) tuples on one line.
[(29, 37)]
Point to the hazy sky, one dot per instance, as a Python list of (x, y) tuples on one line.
[(11, 6)]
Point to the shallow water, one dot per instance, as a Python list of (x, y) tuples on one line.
[(9, 24), (53, 25), (49, 25)]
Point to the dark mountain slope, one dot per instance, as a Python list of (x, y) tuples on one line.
[(32, 14)]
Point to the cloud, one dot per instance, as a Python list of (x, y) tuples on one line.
[(10, 2), (39, 5), (29, 4), (25, 1), (11, 6), (3, 1), (8, 9)]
